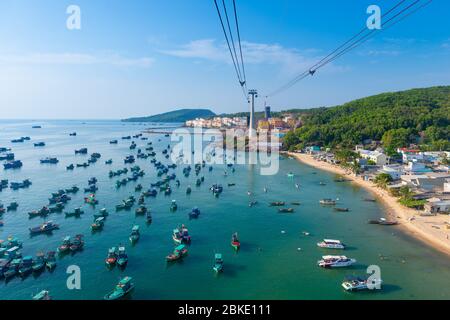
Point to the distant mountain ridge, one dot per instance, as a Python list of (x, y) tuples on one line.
[(180, 115)]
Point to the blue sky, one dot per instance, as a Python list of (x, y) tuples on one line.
[(143, 57)]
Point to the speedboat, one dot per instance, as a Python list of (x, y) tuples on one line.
[(360, 283), (328, 202), (335, 262), (331, 244)]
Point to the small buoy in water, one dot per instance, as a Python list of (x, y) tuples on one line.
[(283, 232), (299, 249)]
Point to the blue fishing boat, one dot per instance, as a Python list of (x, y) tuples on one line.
[(194, 213), (13, 164), (39, 262), (26, 266), (173, 206), (135, 234), (44, 228), (122, 257), (49, 160), (123, 288), (218, 263)]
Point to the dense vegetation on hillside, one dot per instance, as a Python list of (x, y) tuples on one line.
[(181, 115), (397, 119)]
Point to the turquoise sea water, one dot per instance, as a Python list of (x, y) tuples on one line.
[(269, 264)]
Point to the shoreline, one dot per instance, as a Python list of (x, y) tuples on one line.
[(424, 229)]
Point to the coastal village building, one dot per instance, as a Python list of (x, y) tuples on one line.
[(218, 122), (437, 206), (415, 167), (379, 158), (409, 155), (447, 186), (395, 171), (313, 150), (431, 181)]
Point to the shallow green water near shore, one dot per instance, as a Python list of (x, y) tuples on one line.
[(269, 264)]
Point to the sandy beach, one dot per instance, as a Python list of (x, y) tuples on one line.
[(431, 230)]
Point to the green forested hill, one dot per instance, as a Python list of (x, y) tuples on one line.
[(414, 116)]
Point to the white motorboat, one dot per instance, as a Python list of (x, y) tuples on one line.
[(331, 244), (335, 262)]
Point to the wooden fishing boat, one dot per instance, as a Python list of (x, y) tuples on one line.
[(178, 253), (12, 206), (76, 213), (277, 204), (102, 213), (50, 260), (39, 213), (148, 216), (111, 259), (218, 263), (173, 206), (39, 262), (195, 213), (65, 246), (77, 243), (342, 209), (13, 268), (26, 267), (91, 200), (98, 223), (141, 210), (122, 257), (44, 228), (286, 210), (383, 222), (235, 243), (135, 234), (123, 288)]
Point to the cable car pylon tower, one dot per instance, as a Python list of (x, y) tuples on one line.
[(252, 125)]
